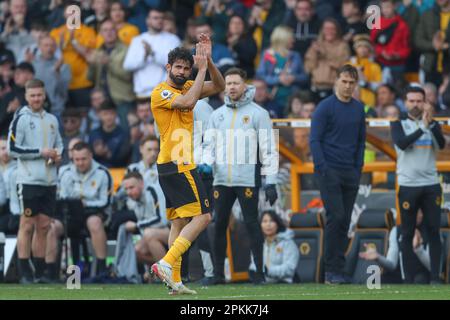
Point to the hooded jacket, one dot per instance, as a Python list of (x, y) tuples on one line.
[(280, 257), (236, 162), (147, 210), (393, 39), (29, 133)]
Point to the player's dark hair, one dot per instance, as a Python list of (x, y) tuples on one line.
[(413, 89), (281, 227), (81, 146), (133, 174), (237, 71), (348, 68), (180, 53)]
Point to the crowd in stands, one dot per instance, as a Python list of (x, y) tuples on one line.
[(99, 77)]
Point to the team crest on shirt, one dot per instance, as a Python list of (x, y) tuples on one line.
[(246, 119), (27, 212), (279, 249), (405, 205), (371, 246), (166, 94)]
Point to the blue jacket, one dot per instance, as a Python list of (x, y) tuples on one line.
[(117, 142), (270, 74)]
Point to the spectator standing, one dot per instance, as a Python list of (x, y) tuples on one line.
[(324, 57), (55, 74), (106, 71), (306, 26), (147, 55), (392, 43), (432, 40), (242, 46), (75, 45), (281, 67)]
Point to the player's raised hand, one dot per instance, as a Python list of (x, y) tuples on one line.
[(200, 58), (206, 42)]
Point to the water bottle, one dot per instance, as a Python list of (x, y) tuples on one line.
[(2, 256)]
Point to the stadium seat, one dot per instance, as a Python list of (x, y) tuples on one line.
[(117, 176), (372, 230), (308, 230), (445, 233)]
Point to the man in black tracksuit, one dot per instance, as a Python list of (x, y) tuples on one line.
[(417, 138)]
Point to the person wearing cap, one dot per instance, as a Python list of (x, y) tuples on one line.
[(16, 97), (369, 71), (6, 71), (110, 142)]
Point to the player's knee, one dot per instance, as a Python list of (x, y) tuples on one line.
[(43, 227), (205, 219), (95, 224), (149, 235)]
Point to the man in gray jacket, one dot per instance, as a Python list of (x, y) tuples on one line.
[(54, 72), (240, 144), (89, 184), (35, 141)]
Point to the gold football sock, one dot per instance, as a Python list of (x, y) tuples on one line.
[(176, 271), (180, 246)]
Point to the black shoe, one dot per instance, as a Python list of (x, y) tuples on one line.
[(258, 279), (334, 278), (26, 280), (44, 280), (218, 280), (207, 281)]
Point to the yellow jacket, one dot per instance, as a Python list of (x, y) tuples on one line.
[(126, 34), (86, 37), (373, 74)]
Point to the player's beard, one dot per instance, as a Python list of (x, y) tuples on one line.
[(179, 81)]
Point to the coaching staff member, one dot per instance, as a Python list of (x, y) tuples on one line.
[(34, 139), (417, 138), (337, 142)]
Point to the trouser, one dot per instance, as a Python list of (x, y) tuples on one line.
[(410, 199), (338, 190), (224, 198)]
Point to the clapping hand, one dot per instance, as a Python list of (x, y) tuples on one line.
[(207, 45), (200, 57)]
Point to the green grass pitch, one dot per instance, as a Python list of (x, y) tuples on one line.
[(225, 292)]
